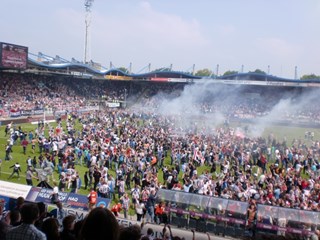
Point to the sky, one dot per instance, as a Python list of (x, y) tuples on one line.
[(254, 34)]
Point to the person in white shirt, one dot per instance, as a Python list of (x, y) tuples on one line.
[(140, 209)]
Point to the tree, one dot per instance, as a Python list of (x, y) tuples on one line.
[(258, 71), (204, 72), (310, 76), (229, 72), (123, 69)]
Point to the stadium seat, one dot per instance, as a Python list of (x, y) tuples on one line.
[(220, 229), (192, 223), (211, 227), (239, 232), (179, 222), (201, 226), (229, 231)]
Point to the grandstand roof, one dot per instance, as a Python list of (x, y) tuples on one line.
[(254, 76), (57, 65), (88, 69)]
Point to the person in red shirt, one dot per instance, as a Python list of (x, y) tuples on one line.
[(263, 161), (116, 209), (92, 198), (159, 212), (24, 144)]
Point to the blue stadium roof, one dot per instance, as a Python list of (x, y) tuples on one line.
[(81, 67), (60, 65), (254, 76)]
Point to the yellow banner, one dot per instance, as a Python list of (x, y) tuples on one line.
[(112, 77)]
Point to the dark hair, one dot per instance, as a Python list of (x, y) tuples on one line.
[(50, 228), (150, 231), (4, 228), (20, 202), (100, 223), (77, 228), (67, 221), (132, 232), (42, 207), (15, 217), (29, 213)]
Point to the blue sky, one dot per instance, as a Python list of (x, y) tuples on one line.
[(231, 33)]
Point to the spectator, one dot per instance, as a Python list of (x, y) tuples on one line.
[(29, 176), (150, 234), (100, 224), (15, 218), (132, 232), (27, 230), (19, 203), (43, 214), (68, 226), (4, 228), (50, 228), (116, 209), (77, 228), (125, 200), (24, 144), (140, 210), (150, 207)]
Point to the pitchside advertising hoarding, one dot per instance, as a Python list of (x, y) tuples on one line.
[(13, 56), (72, 200), (35, 194)]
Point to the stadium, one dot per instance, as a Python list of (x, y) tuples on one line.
[(232, 156)]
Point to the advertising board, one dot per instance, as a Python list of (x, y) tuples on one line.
[(13, 56)]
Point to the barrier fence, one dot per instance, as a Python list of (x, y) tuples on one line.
[(230, 217)]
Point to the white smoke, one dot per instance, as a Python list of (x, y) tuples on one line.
[(190, 112)]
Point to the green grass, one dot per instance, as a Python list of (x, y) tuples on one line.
[(17, 156)]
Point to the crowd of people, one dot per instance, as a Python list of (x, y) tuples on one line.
[(24, 93), (135, 147), (32, 92), (125, 153), (33, 221)]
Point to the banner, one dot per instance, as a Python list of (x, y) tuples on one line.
[(26, 112), (72, 200), (113, 104), (38, 112), (305, 232), (112, 77), (79, 214), (14, 114), (181, 80), (14, 190), (159, 79)]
